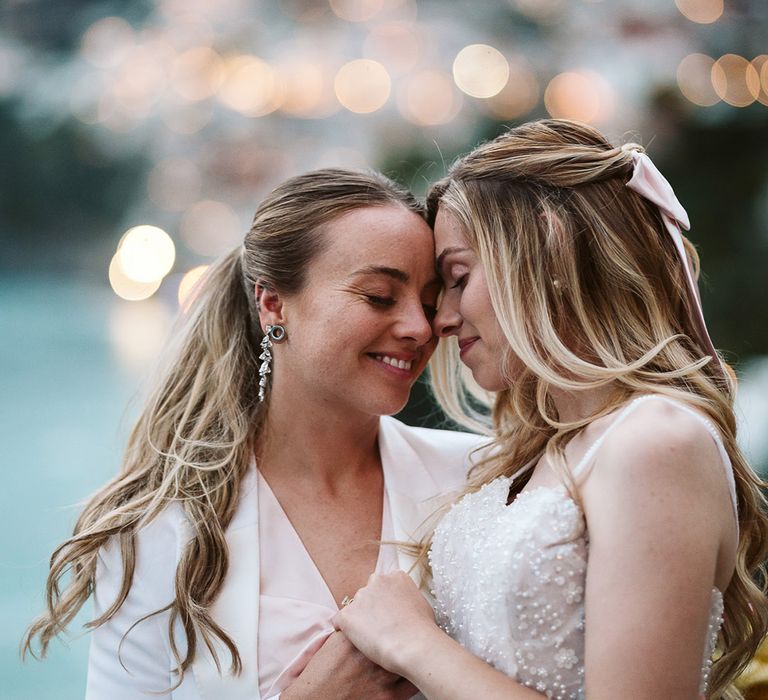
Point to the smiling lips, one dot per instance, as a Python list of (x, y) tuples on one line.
[(466, 343), (394, 362)]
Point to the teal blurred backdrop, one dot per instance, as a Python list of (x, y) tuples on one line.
[(181, 115)]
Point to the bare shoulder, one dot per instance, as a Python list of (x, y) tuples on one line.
[(660, 457), (663, 440)]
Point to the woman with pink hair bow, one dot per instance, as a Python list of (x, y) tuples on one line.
[(610, 545)]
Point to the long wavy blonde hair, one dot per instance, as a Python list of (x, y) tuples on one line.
[(589, 291), (193, 441)]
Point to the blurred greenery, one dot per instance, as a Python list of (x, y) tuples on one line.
[(59, 195)]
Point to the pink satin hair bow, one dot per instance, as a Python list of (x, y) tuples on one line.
[(648, 181)]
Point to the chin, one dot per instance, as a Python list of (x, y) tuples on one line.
[(488, 381)]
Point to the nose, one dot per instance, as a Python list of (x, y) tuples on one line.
[(447, 320), (414, 324)]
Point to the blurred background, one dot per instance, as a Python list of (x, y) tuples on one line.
[(137, 138)]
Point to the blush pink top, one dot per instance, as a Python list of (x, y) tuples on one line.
[(295, 601)]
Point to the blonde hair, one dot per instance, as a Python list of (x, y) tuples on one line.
[(589, 291), (193, 441)]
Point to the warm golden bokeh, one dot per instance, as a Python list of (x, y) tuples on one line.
[(429, 98), (197, 73), (106, 42), (581, 95), (308, 90), (397, 45), (694, 78), (127, 288), (187, 285), (736, 81), (701, 11), (480, 70), (146, 253), (760, 64), (250, 86), (356, 10), (362, 86)]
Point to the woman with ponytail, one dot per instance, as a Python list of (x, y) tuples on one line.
[(264, 478), (612, 544)]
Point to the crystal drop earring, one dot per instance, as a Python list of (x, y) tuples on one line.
[(273, 334)]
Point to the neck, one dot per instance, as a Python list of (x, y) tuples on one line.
[(316, 443), (575, 406)]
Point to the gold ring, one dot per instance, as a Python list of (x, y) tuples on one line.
[(346, 600)]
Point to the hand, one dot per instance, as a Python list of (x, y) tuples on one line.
[(338, 671), (388, 620)]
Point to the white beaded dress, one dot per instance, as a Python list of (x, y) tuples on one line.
[(509, 580)]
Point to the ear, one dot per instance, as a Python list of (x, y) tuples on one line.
[(270, 305)]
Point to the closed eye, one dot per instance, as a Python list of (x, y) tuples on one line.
[(380, 301), (461, 282)]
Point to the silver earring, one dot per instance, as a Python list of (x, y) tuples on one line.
[(273, 334)]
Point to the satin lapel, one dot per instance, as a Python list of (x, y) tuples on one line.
[(413, 493), (236, 609)]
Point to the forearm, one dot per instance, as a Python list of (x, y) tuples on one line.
[(444, 670)]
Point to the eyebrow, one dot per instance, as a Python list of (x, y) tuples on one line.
[(392, 272), (446, 252)]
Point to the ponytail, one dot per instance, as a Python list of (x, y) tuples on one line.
[(191, 445), (193, 442)]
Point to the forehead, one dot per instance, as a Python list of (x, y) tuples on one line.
[(388, 235), (449, 232)]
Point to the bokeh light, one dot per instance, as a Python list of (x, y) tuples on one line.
[(251, 86), (139, 83), (694, 78), (362, 86), (519, 96), (736, 81), (211, 228), (429, 98), (187, 285), (138, 332), (308, 90), (125, 286), (106, 42), (581, 95), (480, 70), (197, 73), (356, 10), (397, 45), (760, 64), (701, 11), (146, 253)]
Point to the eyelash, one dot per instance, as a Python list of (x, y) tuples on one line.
[(460, 282), (380, 301), (430, 311)]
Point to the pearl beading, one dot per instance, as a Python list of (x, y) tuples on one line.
[(508, 584)]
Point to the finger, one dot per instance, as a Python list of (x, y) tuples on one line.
[(336, 620)]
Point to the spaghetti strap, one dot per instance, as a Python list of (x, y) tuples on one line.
[(595, 446), (710, 427)]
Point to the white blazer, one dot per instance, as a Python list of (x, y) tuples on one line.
[(422, 467)]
